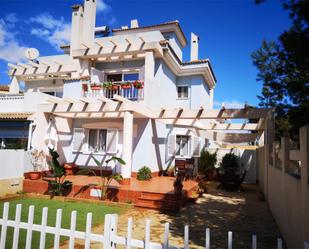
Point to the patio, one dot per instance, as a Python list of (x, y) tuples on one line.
[(157, 193)]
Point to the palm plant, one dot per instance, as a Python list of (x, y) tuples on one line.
[(105, 178)]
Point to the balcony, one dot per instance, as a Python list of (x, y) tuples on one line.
[(133, 90), (11, 103)]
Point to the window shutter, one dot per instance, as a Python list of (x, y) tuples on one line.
[(195, 142), (111, 140), (78, 139), (171, 145)]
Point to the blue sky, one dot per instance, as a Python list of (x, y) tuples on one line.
[(229, 31)]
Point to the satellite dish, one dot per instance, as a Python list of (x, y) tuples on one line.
[(32, 53)]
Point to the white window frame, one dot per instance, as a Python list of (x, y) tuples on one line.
[(181, 155), (106, 142), (130, 71), (97, 135), (182, 98)]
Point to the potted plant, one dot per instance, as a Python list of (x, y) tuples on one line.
[(107, 85), (85, 87), (144, 174), (178, 185), (206, 165), (95, 87), (126, 85), (37, 161), (115, 87), (58, 186), (229, 170), (138, 84)]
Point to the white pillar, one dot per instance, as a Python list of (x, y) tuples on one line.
[(127, 145), (149, 75)]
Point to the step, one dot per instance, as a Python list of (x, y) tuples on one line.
[(158, 196), (162, 206)]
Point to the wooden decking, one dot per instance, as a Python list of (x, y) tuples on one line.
[(157, 193)]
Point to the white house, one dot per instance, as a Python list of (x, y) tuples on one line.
[(126, 92)]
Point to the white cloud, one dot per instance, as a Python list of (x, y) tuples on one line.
[(55, 31), (11, 18), (10, 48), (47, 21), (103, 7), (229, 104)]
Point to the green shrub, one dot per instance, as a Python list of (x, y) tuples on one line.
[(207, 161), (144, 174), (230, 162)]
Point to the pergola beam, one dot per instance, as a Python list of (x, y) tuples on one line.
[(252, 113)]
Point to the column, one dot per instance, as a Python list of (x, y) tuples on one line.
[(149, 75), (127, 147), (14, 86)]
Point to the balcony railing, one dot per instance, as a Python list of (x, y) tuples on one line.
[(129, 90)]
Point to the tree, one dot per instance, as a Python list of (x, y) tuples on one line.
[(284, 70)]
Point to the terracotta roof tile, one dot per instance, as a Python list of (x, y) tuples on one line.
[(15, 115)]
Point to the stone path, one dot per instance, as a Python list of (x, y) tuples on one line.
[(221, 211)]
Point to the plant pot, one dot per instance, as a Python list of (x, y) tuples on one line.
[(115, 87), (95, 88), (69, 168), (34, 175)]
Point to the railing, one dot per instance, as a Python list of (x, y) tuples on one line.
[(126, 90), (11, 102), (109, 239)]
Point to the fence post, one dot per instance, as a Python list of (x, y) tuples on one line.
[(147, 235), (279, 243), (207, 239), (5, 217), (254, 245), (129, 233), (113, 230), (166, 233), (16, 228), (230, 240), (88, 230), (43, 231), (186, 244), (29, 230), (107, 227), (72, 229)]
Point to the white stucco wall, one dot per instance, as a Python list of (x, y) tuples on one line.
[(12, 165), (199, 94), (174, 43)]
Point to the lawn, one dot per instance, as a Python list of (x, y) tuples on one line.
[(98, 212)]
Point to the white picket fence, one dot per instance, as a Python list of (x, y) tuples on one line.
[(109, 239)]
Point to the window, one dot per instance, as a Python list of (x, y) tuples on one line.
[(130, 76), (58, 94), (182, 92), (97, 140), (114, 77), (182, 145)]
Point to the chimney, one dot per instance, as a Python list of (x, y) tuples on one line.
[(89, 21), (77, 27), (194, 47), (14, 86), (134, 23)]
